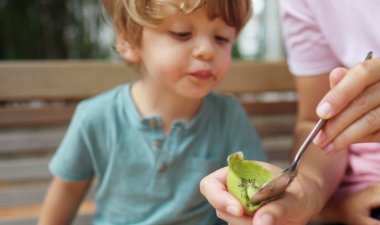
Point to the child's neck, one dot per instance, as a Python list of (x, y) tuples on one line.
[(168, 106)]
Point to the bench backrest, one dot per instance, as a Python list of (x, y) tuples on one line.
[(37, 100)]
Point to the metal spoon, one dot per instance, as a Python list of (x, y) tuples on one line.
[(275, 187)]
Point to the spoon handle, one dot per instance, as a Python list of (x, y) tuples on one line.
[(307, 142)]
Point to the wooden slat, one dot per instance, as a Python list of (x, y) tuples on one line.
[(29, 214), (60, 79), (278, 150), (26, 116), (274, 124), (85, 219), (30, 140), (266, 108), (80, 79), (13, 195), (28, 169), (256, 76), (278, 147)]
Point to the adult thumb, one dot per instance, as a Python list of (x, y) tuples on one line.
[(273, 213), (286, 210)]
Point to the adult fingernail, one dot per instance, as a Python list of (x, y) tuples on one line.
[(329, 149), (265, 219), (318, 140), (233, 210), (324, 110)]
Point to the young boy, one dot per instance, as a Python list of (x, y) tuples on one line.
[(149, 143)]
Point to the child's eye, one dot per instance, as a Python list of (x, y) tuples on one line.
[(181, 35), (222, 39)]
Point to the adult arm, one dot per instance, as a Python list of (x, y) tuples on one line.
[(62, 201), (318, 173)]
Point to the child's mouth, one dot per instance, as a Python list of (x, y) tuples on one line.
[(202, 75)]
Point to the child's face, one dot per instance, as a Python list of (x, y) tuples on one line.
[(187, 55)]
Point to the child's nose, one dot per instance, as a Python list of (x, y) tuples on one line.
[(204, 49)]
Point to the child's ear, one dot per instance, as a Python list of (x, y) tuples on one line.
[(127, 51)]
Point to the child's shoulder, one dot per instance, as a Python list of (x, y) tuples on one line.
[(107, 97), (104, 102)]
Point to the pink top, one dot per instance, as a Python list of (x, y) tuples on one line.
[(323, 34)]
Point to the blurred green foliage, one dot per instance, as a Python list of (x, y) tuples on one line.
[(56, 29), (51, 29)]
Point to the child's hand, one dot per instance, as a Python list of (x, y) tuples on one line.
[(353, 104), (214, 188), (296, 207), (355, 208)]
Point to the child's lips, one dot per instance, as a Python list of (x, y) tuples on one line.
[(202, 75)]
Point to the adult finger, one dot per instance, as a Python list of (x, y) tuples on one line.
[(213, 187), (353, 83), (272, 214), (336, 76), (359, 122), (366, 129)]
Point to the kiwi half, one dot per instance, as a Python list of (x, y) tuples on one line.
[(244, 178)]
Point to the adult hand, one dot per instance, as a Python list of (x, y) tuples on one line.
[(355, 208), (296, 207), (352, 107)]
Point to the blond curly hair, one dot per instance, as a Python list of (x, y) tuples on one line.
[(130, 16)]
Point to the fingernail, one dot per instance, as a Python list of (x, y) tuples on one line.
[(265, 219), (324, 110), (318, 140), (329, 149), (233, 210)]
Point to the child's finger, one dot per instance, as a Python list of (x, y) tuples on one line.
[(213, 187), (373, 195), (232, 220)]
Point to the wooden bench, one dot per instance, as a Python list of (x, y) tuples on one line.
[(37, 100)]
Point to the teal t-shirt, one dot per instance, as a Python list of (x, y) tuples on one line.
[(144, 176)]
